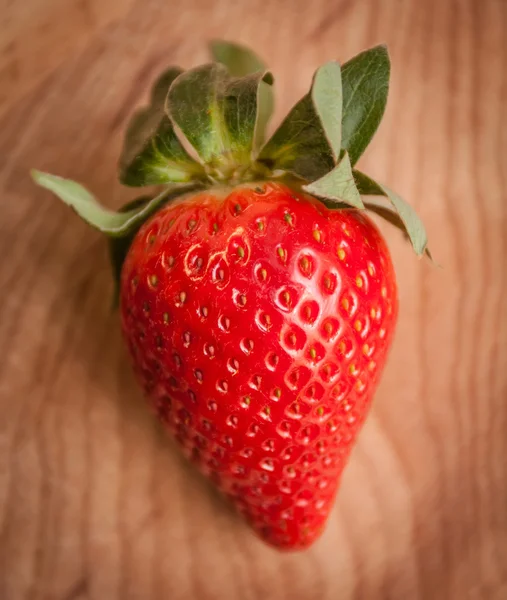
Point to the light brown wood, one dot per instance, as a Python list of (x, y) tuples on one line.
[(37, 36), (94, 501)]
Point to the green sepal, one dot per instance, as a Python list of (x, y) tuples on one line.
[(393, 218), (389, 215), (299, 145), (241, 61), (112, 223), (408, 217), (338, 186), (365, 85), (326, 95), (160, 87), (307, 142), (119, 246), (238, 59), (217, 114), (152, 153)]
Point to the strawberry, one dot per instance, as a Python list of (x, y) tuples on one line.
[(259, 323), (258, 300)]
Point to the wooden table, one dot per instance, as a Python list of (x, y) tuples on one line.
[(94, 502)]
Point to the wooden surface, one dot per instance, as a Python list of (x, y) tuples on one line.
[(94, 502)]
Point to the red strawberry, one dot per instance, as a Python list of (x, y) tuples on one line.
[(258, 324), (258, 300)]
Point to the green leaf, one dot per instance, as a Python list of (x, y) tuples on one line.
[(388, 215), (365, 82), (86, 206), (299, 145), (193, 103), (241, 61), (366, 185), (238, 59), (216, 113), (152, 153), (394, 219), (160, 88), (411, 222), (327, 99), (337, 186), (119, 246), (307, 143), (265, 108)]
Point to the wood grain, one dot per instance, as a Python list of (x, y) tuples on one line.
[(94, 501)]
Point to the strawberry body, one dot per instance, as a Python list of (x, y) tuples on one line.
[(258, 322)]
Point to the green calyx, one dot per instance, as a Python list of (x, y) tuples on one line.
[(207, 126)]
